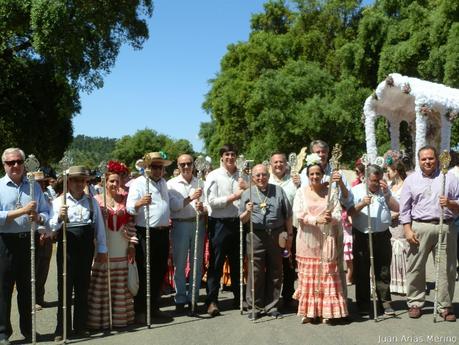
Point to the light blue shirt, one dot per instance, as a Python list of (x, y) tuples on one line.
[(13, 196), (79, 214), (379, 211), (159, 207)]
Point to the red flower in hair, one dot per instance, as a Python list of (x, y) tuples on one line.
[(117, 167)]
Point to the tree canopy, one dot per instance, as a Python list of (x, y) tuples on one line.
[(49, 52), (308, 66)]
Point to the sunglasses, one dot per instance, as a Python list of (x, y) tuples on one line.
[(186, 164), (261, 175), (14, 162), (156, 167)]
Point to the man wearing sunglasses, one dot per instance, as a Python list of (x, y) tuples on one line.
[(268, 208), (157, 201), (17, 211), (184, 194)]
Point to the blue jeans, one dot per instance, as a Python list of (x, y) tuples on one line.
[(183, 237)]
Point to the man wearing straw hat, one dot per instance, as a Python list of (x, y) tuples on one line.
[(84, 224), (157, 200), (17, 210)]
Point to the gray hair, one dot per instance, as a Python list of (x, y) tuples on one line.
[(322, 144), (12, 150), (374, 169)]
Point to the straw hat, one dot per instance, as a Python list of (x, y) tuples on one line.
[(78, 171), (156, 158)]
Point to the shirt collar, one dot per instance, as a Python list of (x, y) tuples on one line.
[(9, 181), (181, 179), (434, 174)]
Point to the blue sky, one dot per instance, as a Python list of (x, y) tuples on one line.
[(162, 86)]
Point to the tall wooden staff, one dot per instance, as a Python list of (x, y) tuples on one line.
[(32, 165), (366, 160), (200, 164), (445, 159), (65, 163), (103, 170), (147, 170), (334, 163), (240, 164), (248, 164)]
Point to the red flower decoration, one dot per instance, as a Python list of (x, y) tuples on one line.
[(117, 167)]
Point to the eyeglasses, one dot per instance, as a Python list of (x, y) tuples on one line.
[(14, 162), (156, 167), (261, 175), (186, 164)]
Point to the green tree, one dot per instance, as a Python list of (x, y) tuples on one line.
[(131, 148), (91, 151), (50, 50)]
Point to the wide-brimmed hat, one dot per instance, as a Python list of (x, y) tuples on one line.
[(78, 171), (156, 158)]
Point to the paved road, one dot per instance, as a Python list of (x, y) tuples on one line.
[(231, 328)]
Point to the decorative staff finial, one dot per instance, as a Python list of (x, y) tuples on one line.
[(292, 162), (240, 163), (445, 159), (103, 167), (200, 164), (66, 161), (31, 164), (337, 153)]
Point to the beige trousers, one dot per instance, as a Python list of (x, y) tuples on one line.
[(416, 264)]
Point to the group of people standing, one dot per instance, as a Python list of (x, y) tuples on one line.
[(292, 226)]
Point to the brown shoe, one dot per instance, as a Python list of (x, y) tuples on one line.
[(414, 312), (213, 310), (448, 315)]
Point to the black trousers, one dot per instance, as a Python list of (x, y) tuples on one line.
[(15, 269), (159, 253), (382, 252), (223, 242), (80, 254), (289, 277), (44, 252)]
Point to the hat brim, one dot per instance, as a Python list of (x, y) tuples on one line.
[(163, 162)]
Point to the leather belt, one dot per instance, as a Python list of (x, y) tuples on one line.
[(192, 219), (435, 221), (16, 234)]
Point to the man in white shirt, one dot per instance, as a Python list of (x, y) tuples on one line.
[(157, 201), (380, 202), (84, 224), (184, 194), (223, 189), (281, 177)]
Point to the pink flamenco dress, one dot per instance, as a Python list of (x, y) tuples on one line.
[(320, 290), (120, 232)]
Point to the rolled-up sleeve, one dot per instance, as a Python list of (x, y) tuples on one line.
[(133, 196), (100, 228), (405, 203), (213, 199)]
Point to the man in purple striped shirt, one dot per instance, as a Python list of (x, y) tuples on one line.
[(421, 204)]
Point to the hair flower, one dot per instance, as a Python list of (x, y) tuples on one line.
[(117, 167), (313, 159)]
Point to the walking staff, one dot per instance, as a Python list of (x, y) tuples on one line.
[(240, 164), (445, 159), (334, 162), (248, 166), (32, 165), (65, 164), (200, 164), (147, 170), (367, 161), (103, 170)]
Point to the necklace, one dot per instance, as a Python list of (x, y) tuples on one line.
[(263, 204)]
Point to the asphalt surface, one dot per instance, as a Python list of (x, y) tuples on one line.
[(232, 328)]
